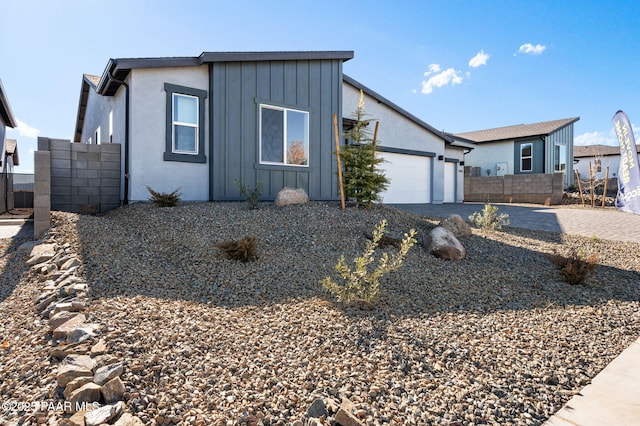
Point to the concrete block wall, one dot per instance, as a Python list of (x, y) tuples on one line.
[(84, 178), (41, 193), (538, 188)]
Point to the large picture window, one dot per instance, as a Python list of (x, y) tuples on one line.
[(184, 124), (526, 157), (284, 136)]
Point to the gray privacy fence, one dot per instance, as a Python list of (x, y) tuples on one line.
[(84, 178), (23, 184), (6, 192)]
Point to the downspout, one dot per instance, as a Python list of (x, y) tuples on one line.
[(125, 200), (210, 128)]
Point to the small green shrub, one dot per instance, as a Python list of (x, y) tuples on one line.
[(162, 199), (361, 285), (244, 250), (251, 195), (489, 219), (576, 267)]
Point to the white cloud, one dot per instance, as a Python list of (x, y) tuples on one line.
[(530, 49), (25, 130), (443, 78), (480, 59), (603, 138)]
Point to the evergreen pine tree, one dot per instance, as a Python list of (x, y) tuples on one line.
[(363, 179)]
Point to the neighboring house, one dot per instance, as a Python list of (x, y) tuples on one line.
[(422, 163), (202, 124), (9, 152), (6, 120), (545, 147), (600, 157)]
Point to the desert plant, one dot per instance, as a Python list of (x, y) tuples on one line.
[(251, 195), (576, 267), (244, 249), (163, 199), (489, 219), (362, 285), (363, 179)]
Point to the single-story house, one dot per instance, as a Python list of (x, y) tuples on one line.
[(202, 124), (545, 147), (600, 157)]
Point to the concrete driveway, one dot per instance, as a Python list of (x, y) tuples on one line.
[(607, 223)]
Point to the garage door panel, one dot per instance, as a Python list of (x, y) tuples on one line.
[(409, 176)]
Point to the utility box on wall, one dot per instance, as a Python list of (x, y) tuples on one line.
[(501, 169)]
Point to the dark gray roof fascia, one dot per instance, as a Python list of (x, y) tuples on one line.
[(344, 55), (395, 107), (5, 109)]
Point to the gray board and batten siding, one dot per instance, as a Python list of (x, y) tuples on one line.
[(238, 90)]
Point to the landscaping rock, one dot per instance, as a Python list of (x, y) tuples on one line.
[(103, 414), (85, 394), (106, 373), (68, 372), (76, 384), (456, 225), (290, 196), (113, 390), (444, 245)]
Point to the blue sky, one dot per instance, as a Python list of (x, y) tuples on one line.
[(458, 65)]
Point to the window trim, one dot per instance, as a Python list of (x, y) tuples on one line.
[(284, 109), (170, 153), (530, 157)]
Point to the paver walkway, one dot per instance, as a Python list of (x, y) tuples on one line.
[(613, 397)]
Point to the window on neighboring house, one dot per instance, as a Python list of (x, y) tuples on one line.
[(97, 136), (110, 126), (284, 136), (560, 158), (526, 157), (89, 141), (185, 124)]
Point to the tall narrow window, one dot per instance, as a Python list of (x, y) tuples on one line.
[(526, 157), (284, 136), (559, 158), (185, 124), (97, 136)]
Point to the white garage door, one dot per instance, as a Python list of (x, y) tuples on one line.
[(450, 182), (409, 176)]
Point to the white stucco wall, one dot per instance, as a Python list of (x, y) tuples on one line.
[(487, 156), (611, 161), (147, 143), (97, 115)]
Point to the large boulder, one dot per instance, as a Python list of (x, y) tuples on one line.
[(444, 245), (456, 224), (289, 196)]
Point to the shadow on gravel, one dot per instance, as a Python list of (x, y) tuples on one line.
[(171, 254), (13, 260)]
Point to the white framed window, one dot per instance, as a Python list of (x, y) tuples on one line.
[(89, 141), (185, 124), (526, 157), (97, 136), (185, 112), (284, 136), (559, 158), (110, 126)]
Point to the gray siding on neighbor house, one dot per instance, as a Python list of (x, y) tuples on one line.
[(538, 156), (237, 90), (563, 136)]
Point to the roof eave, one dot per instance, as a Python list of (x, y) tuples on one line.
[(5, 109)]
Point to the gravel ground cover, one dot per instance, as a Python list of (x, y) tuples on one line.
[(496, 338)]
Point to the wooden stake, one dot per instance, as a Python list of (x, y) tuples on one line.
[(580, 187), (606, 180), (337, 137), (373, 144)]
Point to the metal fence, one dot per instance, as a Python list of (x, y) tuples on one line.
[(23, 181)]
